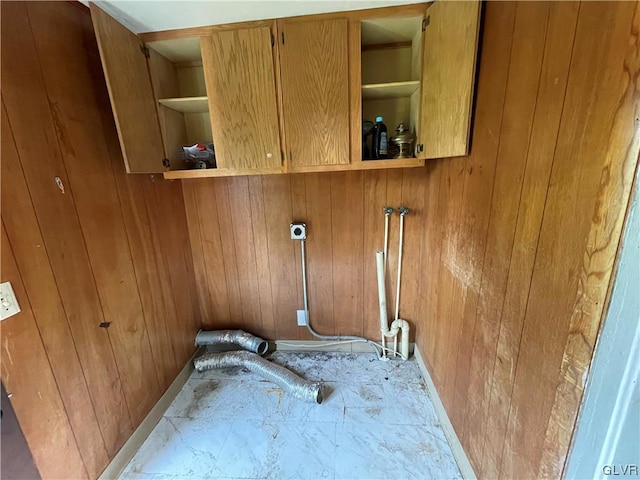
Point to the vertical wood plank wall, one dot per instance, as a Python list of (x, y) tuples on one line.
[(110, 248), (508, 252)]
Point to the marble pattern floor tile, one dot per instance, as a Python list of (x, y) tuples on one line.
[(377, 421)]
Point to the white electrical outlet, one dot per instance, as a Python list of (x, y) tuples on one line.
[(302, 318), (8, 303)]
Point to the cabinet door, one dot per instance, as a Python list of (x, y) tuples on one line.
[(315, 91), (448, 66), (131, 94), (240, 77)]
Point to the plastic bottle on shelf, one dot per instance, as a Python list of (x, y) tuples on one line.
[(379, 140)]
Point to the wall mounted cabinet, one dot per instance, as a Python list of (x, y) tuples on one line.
[(290, 95)]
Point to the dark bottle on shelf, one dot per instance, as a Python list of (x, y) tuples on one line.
[(379, 140)]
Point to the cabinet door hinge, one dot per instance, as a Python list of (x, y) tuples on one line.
[(166, 163), (425, 23), (281, 158), (273, 40), (145, 51), (420, 147), (282, 36)]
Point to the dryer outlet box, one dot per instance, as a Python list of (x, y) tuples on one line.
[(298, 231)]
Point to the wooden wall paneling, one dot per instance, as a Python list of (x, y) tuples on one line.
[(551, 92), (451, 184), (131, 193), (190, 191), (163, 250), (169, 223), (597, 137), (454, 275), (245, 253), (374, 194), (394, 200), (228, 246), (299, 214), (476, 207), (517, 119), (261, 246), (319, 252), (426, 336), (28, 109), (613, 198), (413, 197), (495, 54), (347, 237), (284, 279), (39, 283), (215, 280), (35, 395), (97, 202)]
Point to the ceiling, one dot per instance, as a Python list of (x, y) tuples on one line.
[(154, 15)]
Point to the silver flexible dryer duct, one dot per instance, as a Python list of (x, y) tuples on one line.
[(289, 381), (237, 337)]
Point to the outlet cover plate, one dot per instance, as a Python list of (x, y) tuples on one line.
[(8, 302), (302, 318)]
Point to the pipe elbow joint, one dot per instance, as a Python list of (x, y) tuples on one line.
[(236, 337)]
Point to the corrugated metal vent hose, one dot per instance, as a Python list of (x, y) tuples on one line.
[(236, 337), (289, 381)]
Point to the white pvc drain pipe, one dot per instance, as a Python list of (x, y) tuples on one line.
[(396, 325)]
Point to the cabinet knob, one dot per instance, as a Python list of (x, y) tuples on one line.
[(269, 155)]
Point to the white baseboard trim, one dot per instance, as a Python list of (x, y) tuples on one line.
[(131, 446), (326, 346), (456, 447)]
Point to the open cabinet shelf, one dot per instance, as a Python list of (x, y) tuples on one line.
[(186, 104), (178, 82), (391, 70), (381, 91)]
